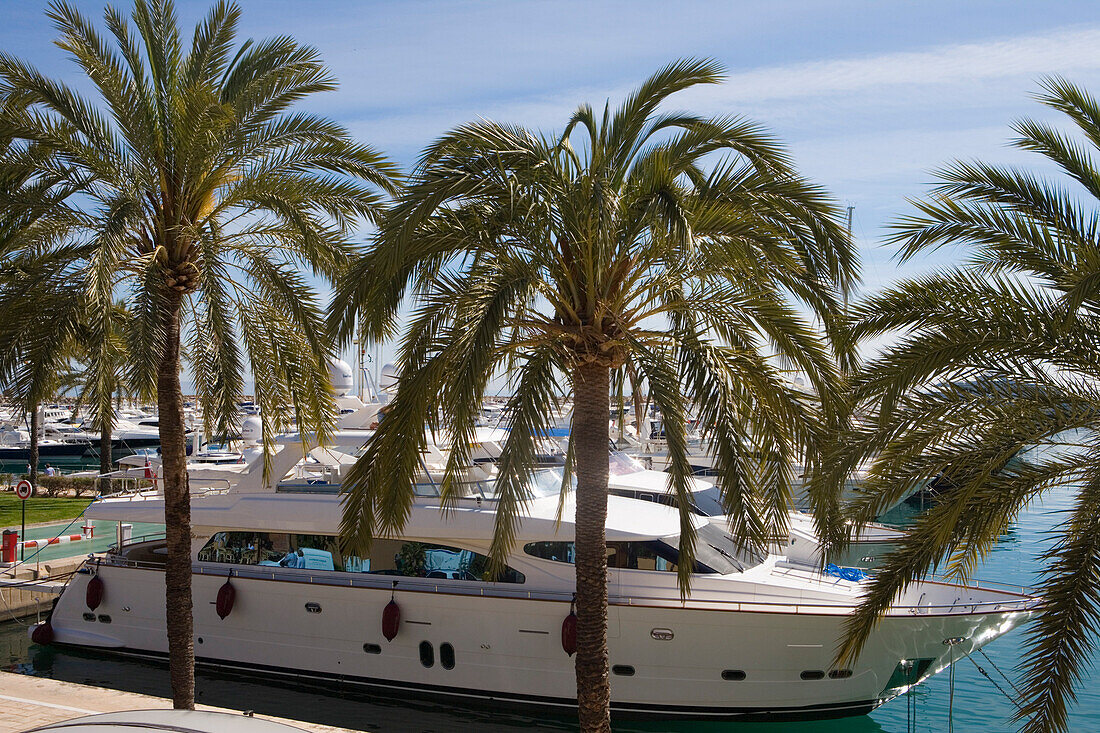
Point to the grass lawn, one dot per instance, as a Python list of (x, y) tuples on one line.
[(40, 509)]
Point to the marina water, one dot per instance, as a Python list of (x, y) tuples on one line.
[(975, 705)]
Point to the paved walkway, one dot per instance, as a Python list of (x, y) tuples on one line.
[(28, 702)]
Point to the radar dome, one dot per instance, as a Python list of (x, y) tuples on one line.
[(390, 375), (252, 431), (341, 377)]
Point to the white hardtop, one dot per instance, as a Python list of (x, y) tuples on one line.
[(307, 513)]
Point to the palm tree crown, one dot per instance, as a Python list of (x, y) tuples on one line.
[(204, 196), (674, 242), (996, 355)]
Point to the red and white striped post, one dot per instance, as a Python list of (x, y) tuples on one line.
[(35, 544)]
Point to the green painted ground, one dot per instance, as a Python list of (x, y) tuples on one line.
[(40, 509), (105, 536)]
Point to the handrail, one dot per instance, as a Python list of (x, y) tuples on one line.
[(502, 590), (982, 584), (151, 492), (150, 537)]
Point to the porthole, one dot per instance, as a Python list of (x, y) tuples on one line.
[(733, 675), (104, 618), (446, 656), (199, 640), (813, 674), (372, 648), (839, 674), (89, 616), (427, 654), (623, 670)]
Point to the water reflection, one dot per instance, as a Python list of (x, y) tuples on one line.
[(862, 724)]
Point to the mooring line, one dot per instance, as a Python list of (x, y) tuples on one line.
[(1018, 705)]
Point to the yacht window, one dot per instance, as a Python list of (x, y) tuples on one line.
[(322, 552), (651, 555), (715, 548), (707, 503), (427, 654), (556, 551), (447, 656)]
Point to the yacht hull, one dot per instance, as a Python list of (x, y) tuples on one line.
[(733, 661)]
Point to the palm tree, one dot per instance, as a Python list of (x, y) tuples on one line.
[(101, 356), (33, 215), (676, 242), (998, 355), (204, 198)]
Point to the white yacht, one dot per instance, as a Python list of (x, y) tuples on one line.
[(754, 640), (630, 478)]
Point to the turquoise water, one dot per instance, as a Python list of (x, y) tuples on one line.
[(977, 705)]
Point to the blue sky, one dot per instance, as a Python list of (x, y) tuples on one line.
[(869, 96)]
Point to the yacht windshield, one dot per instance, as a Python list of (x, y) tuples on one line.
[(620, 464), (715, 548), (543, 483), (707, 502)]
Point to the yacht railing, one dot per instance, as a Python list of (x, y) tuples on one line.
[(500, 590), (473, 491), (805, 572), (981, 584), (149, 537), (138, 490)]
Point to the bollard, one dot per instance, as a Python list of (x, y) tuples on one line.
[(11, 542)]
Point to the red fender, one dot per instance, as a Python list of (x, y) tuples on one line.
[(93, 596), (391, 620), (43, 633), (569, 633), (227, 594)]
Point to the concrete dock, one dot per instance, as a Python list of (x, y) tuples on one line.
[(28, 702), (29, 590)]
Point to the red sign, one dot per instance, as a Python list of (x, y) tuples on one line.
[(23, 489)]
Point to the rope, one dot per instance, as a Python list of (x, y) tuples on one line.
[(951, 692), (1005, 676), (39, 581), (7, 605), (910, 710), (1000, 689)]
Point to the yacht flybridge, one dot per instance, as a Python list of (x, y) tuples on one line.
[(274, 595)]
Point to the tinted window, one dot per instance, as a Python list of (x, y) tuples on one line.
[(715, 552), (322, 552), (446, 656), (652, 555)]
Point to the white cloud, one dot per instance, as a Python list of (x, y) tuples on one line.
[(989, 80), (1064, 51)]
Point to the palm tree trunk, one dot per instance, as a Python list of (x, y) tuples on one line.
[(105, 459), (32, 463), (177, 514), (590, 435), (638, 398)]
